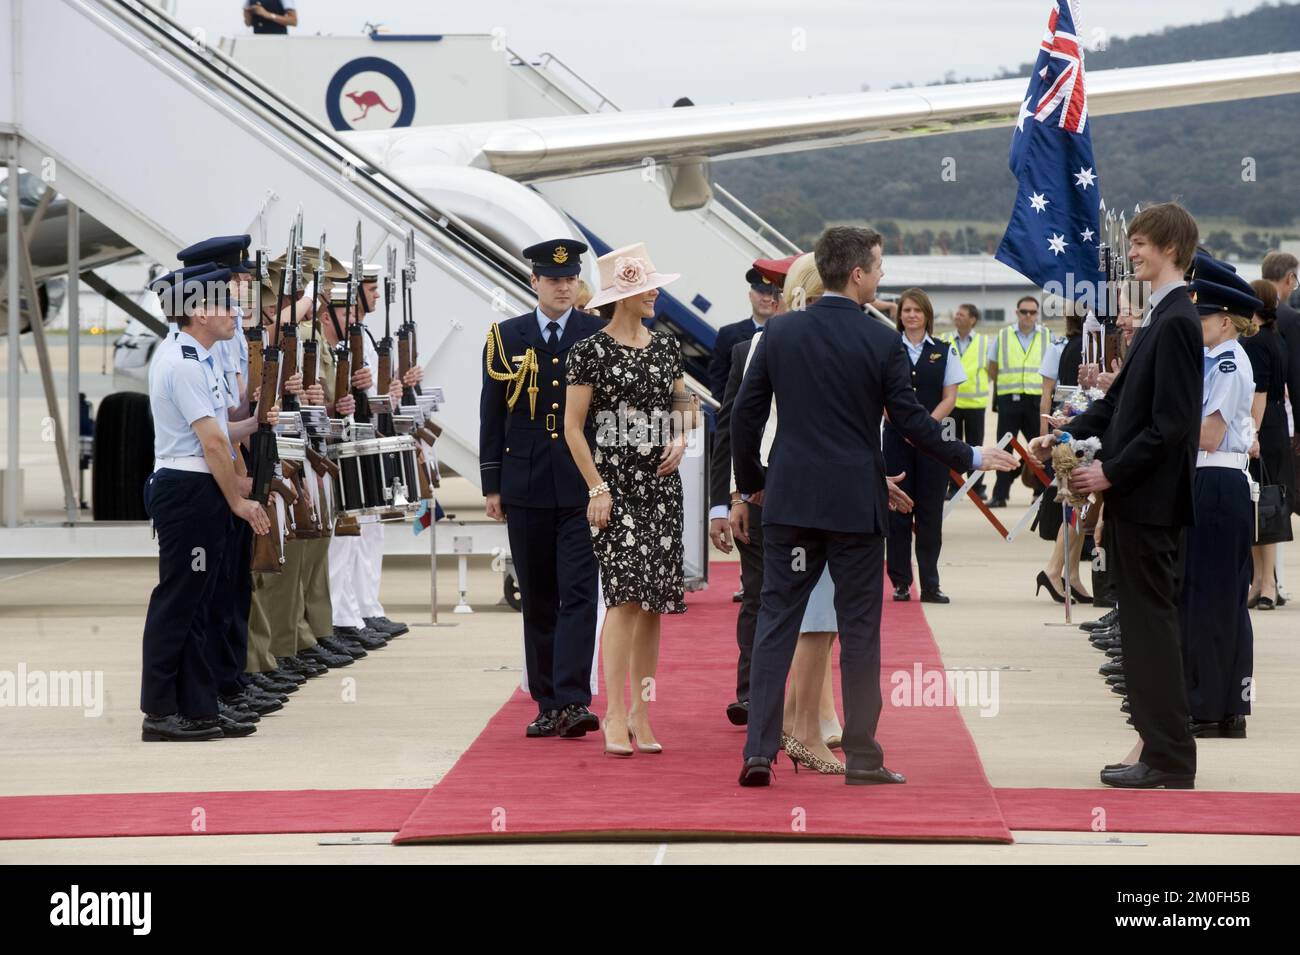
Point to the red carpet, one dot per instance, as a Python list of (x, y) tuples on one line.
[(1219, 813), (512, 788), (222, 813)]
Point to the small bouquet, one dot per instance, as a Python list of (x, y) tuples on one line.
[(1067, 454)]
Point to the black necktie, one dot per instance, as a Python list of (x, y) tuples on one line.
[(552, 333)]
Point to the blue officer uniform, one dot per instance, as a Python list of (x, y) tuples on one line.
[(232, 602), (523, 457), (1217, 639), (191, 519), (935, 365)]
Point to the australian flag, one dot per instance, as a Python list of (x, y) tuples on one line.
[(1052, 236)]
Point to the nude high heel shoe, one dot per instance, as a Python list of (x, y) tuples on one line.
[(642, 747), (616, 749)]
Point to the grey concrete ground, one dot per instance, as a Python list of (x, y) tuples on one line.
[(422, 701)]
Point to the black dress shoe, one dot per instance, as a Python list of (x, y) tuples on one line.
[(237, 713), (232, 729), (257, 701), (367, 639), (1234, 727), (302, 667), (1108, 619), (575, 721), (1120, 688), (902, 593), (1112, 767), (1124, 707), (738, 596), (1265, 603), (384, 625), (1105, 633), (175, 728), (1113, 668), (1142, 776), (287, 676), (543, 725), (934, 597), (738, 713), (998, 502), (872, 777), (272, 686), (756, 771), (342, 647), (1115, 653), (320, 655), (1114, 678)]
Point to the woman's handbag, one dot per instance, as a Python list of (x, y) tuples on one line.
[(1272, 511)]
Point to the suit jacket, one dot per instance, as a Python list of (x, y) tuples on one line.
[(1150, 420), (720, 365), (834, 371), (524, 457), (720, 463), (1288, 326)]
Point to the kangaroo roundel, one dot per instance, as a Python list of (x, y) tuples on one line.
[(369, 93)]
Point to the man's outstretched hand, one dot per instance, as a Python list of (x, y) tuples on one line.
[(993, 458)]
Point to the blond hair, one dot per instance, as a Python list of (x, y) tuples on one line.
[(803, 283)]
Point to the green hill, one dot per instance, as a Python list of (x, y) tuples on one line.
[(1194, 154)]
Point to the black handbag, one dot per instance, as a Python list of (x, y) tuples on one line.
[(1272, 512)]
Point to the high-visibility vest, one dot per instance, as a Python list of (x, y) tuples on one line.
[(1018, 367), (974, 391)]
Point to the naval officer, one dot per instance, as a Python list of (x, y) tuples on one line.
[(191, 496), (530, 482)]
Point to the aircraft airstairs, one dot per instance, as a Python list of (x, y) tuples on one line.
[(165, 140)]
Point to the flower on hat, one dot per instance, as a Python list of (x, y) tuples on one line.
[(629, 272)]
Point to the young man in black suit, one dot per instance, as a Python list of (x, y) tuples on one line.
[(833, 371), (1149, 423), (530, 482)]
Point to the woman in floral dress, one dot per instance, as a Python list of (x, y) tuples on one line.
[(626, 377)]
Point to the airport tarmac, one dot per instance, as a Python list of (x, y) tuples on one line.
[(422, 701)]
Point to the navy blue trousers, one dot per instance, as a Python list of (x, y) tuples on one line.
[(192, 521), (1217, 638), (228, 611), (925, 483), (558, 580), (794, 558)]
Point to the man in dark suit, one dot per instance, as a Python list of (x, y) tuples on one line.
[(764, 302), (833, 372), (722, 497), (530, 482), (1280, 268), (1149, 423)]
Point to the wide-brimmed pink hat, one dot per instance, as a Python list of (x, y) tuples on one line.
[(626, 272)]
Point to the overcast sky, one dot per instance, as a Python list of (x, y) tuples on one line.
[(646, 53)]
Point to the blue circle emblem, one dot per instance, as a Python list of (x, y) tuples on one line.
[(366, 100)]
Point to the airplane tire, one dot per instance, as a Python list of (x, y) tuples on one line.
[(123, 457)]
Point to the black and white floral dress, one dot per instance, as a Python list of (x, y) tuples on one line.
[(640, 551)]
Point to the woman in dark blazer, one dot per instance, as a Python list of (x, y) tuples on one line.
[(936, 373)]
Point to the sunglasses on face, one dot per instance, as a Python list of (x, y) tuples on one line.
[(1026, 311)]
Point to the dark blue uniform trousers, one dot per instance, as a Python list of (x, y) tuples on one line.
[(1218, 641), (558, 578), (192, 521), (794, 558), (926, 484), (228, 611)]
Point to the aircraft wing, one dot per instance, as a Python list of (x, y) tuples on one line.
[(567, 146)]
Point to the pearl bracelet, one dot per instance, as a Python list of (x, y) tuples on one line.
[(598, 490)]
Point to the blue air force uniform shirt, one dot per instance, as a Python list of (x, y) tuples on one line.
[(1229, 388), (186, 384)]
